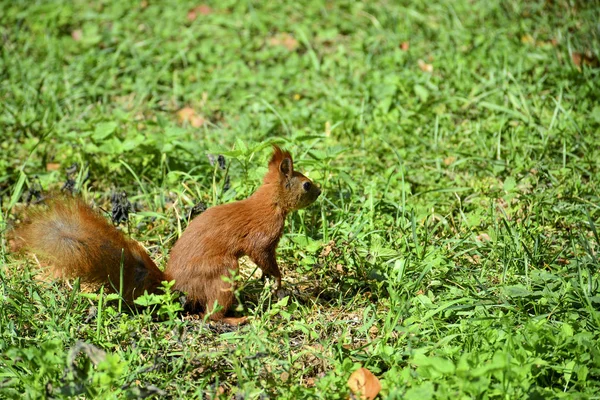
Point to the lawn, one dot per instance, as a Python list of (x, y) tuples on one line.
[(454, 252)]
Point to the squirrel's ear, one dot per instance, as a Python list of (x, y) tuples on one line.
[(286, 167)]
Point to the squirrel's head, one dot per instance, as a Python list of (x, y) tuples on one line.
[(295, 191)]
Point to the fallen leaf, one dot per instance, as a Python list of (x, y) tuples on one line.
[(327, 249), (475, 259), (284, 39), (404, 46), (449, 160), (52, 166), (424, 66), (77, 34), (374, 331), (586, 58), (202, 9), (527, 39), (197, 121), (187, 114), (364, 384), (484, 237)]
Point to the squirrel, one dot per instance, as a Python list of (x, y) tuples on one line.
[(75, 241)]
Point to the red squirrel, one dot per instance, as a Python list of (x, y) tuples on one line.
[(78, 242)]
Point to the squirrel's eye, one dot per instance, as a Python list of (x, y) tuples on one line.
[(306, 186)]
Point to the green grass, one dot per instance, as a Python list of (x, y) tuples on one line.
[(454, 252)]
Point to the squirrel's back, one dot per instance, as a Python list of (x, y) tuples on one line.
[(74, 241)]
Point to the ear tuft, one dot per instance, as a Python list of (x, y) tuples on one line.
[(281, 161)]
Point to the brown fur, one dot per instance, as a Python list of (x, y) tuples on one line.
[(77, 242)]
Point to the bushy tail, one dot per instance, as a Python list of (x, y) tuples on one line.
[(74, 241)]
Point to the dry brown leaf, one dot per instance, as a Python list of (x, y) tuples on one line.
[(586, 58), (364, 384), (449, 160), (187, 114), (475, 259), (52, 166), (197, 121), (77, 34), (373, 331), (202, 9), (404, 46), (484, 237), (284, 39), (327, 249), (424, 66), (527, 39)]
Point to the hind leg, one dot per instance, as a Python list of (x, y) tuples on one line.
[(219, 294)]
